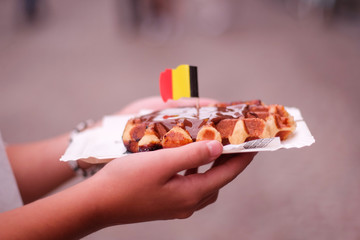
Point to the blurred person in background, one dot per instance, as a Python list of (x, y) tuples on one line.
[(159, 20), (331, 10)]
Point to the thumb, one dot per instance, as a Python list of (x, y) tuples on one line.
[(192, 155)]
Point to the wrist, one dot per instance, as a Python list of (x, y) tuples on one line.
[(80, 167), (86, 204), (84, 169), (96, 195)]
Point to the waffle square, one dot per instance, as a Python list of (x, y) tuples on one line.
[(228, 123)]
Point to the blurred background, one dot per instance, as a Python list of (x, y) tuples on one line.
[(62, 62)]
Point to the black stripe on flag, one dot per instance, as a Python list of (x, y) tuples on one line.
[(194, 90)]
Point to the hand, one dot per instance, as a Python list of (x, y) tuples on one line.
[(156, 103), (148, 186)]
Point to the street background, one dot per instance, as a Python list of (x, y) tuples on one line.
[(62, 62)]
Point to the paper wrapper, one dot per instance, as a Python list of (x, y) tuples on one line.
[(102, 144)]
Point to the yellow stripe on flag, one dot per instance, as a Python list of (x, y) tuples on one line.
[(181, 82)]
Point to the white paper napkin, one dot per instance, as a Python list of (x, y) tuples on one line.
[(102, 144)]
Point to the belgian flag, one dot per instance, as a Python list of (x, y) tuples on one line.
[(179, 82)]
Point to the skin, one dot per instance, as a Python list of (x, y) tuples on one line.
[(137, 188), (34, 182), (37, 168)]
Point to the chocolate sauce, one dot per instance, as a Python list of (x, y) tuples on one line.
[(192, 119)]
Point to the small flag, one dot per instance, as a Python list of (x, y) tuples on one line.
[(179, 82)]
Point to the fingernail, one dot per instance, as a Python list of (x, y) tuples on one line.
[(215, 148)]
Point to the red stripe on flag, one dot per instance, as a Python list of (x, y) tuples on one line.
[(166, 85)]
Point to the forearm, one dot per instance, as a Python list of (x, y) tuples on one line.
[(139, 187), (37, 168), (70, 214)]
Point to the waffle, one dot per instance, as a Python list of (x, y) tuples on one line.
[(228, 123)]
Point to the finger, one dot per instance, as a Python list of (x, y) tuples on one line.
[(191, 171), (190, 102), (153, 102), (225, 171), (207, 201), (156, 103), (174, 160), (222, 159)]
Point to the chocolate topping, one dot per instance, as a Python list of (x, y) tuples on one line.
[(229, 123), (191, 120)]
